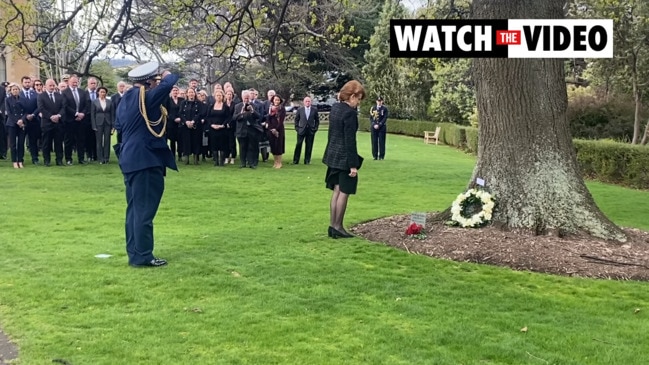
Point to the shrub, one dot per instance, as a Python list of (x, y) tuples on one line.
[(594, 116), (604, 160), (614, 162)]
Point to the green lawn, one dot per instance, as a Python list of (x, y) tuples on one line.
[(253, 278)]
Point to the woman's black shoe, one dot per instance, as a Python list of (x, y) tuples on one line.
[(347, 234), (334, 233)]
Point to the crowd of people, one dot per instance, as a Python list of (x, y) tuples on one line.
[(158, 122), (61, 118)]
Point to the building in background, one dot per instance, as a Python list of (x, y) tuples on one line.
[(14, 66)]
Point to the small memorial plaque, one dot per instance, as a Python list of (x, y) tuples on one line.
[(479, 181), (419, 218)]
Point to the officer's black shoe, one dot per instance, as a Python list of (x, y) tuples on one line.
[(153, 263)]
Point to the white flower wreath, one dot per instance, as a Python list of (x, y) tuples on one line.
[(471, 197)]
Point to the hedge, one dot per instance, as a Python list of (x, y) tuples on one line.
[(607, 161), (614, 162)]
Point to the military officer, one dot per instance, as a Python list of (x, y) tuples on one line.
[(378, 120), (144, 157)]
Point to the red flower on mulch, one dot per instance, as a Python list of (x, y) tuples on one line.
[(414, 229)]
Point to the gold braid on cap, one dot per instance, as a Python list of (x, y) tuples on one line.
[(150, 124)]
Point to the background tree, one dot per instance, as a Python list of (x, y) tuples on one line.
[(628, 71), (525, 150), (106, 75), (294, 37), (452, 94), (382, 73)]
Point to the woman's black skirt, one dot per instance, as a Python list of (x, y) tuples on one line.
[(346, 183)]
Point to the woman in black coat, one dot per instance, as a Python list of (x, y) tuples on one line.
[(15, 126), (216, 120), (173, 122), (231, 150), (275, 129), (341, 155), (191, 126)]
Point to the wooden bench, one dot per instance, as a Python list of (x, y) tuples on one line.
[(430, 136)]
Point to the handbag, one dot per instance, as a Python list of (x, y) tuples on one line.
[(360, 161)]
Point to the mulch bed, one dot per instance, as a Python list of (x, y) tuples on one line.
[(582, 256)]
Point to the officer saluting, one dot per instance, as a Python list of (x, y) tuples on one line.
[(144, 157)]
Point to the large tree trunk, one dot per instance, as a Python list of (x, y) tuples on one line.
[(525, 151)]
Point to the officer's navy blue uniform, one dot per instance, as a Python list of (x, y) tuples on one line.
[(378, 135), (143, 159)]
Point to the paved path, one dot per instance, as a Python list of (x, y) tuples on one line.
[(8, 350)]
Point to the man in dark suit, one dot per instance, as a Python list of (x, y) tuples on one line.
[(248, 130), (378, 119), (307, 122), (115, 99), (52, 109), (144, 157), (90, 137), (3, 133), (77, 107), (33, 125), (264, 146)]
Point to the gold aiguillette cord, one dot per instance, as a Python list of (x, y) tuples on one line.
[(150, 124)]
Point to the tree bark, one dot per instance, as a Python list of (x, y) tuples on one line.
[(525, 151), (645, 138), (637, 98)]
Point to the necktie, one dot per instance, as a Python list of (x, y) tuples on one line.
[(52, 97), (27, 94), (307, 112), (92, 95), (76, 97)]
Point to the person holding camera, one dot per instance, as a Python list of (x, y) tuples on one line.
[(248, 131)]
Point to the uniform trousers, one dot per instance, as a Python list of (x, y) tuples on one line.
[(144, 190), (378, 143)]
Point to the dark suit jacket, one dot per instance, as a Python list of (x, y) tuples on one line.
[(341, 152), (189, 110), (48, 109), (99, 116), (15, 110), (246, 122), (71, 105), (140, 149), (30, 104), (259, 108), (173, 109), (115, 99), (3, 97), (304, 125)]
